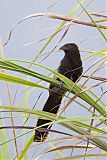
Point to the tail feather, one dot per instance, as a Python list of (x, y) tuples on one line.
[(52, 105)]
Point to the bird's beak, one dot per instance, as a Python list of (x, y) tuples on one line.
[(61, 48)]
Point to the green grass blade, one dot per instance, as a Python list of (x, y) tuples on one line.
[(27, 145), (17, 80), (103, 35), (98, 142), (70, 86)]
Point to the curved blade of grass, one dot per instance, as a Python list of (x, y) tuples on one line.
[(17, 80), (76, 89), (26, 147), (95, 97), (96, 141), (1, 157), (101, 53), (52, 117), (83, 125), (103, 35), (17, 68), (71, 86)]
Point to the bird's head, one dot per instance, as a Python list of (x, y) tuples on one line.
[(70, 49)]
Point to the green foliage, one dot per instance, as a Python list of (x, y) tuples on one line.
[(80, 126)]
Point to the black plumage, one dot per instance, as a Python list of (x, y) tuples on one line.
[(71, 67)]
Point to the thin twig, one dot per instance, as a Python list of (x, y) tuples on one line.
[(95, 78), (54, 16)]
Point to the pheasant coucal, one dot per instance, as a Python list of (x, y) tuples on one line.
[(70, 67)]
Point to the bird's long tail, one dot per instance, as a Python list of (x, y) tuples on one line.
[(52, 105)]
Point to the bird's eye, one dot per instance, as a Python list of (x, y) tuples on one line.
[(68, 47)]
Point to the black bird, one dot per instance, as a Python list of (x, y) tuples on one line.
[(70, 67)]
